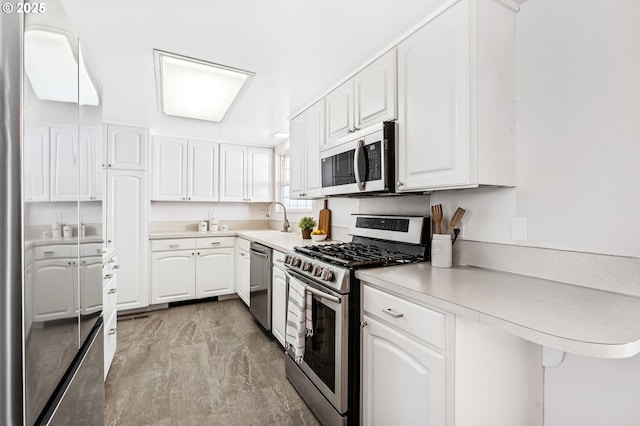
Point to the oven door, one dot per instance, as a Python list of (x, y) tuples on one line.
[(325, 360), (356, 165)]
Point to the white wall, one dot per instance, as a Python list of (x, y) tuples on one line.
[(578, 133), (162, 211)]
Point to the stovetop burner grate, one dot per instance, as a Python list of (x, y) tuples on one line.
[(356, 255)]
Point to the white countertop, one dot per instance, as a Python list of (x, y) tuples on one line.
[(281, 241), (562, 316)]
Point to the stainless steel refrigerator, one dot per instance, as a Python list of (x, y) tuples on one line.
[(51, 337)]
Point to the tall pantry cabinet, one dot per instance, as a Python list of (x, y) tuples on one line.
[(126, 210)]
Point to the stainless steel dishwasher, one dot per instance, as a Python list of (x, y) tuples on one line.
[(260, 284)]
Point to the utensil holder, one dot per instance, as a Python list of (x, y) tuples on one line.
[(441, 249)]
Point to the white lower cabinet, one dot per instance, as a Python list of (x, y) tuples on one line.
[(109, 311), (410, 352), (183, 269), (242, 270), (54, 289), (278, 297), (403, 377)]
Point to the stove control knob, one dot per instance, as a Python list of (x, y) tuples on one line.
[(306, 266), (327, 275), (287, 259), (317, 270), (295, 262)]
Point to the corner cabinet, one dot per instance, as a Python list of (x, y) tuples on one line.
[(246, 173), (456, 99), (306, 136), (410, 352), (367, 98), (184, 170)]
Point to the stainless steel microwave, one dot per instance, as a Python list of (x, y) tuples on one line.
[(362, 162)]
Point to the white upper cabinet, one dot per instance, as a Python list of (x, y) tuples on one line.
[(184, 170), (36, 163), (169, 168), (456, 92), (202, 171), (64, 163), (91, 172), (259, 174), (376, 91), (246, 173), (306, 136), (126, 147), (339, 110), (367, 98)]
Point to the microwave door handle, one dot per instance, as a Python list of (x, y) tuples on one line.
[(356, 168)]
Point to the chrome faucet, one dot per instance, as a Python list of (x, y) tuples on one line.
[(285, 224)]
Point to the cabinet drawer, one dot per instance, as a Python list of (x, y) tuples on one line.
[(278, 258), (53, 251), (109, 297), (174, 244), (214, 242), (423, 323), (90, 249), (243, 244), (110, 340)]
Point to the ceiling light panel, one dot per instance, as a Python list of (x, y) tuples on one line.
[(197, 89)]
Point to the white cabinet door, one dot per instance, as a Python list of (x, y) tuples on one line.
[(64, 163), (297, 159), (96, 161), (126, 147), (215, 272), (173, 274), (169, 171), (233, 173), (202, 171), (339, 110), (127, 229), (36, 163), (375, 91), (314, 124), (279, 305), (85, 164), (91, 285), (259, 174), (434, 103), (54, 290), (242, 275), (403, 382)]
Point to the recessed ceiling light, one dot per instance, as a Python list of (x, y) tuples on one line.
[(194, 88)]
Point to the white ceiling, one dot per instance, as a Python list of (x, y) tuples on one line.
[(297, 48)]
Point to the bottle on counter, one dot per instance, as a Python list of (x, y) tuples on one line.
[(202, 226), (213, 224), (56, 230)]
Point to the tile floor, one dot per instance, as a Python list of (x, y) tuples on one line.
[(200, 364)]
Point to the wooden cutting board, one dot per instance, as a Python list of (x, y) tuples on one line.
[(324, 220)]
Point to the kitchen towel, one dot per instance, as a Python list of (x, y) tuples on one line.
[(296, 324)]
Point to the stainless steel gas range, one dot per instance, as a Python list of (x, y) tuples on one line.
[(328, 375)]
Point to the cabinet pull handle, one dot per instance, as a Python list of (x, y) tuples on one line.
[(393, 313), (115, 266), (215, 243), (112, 332), (112, 291), (279, 260), (48, 253), (174, 245), (108, 276)]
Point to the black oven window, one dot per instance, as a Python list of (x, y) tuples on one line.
[(320, 350)]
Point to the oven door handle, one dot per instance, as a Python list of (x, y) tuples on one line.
[(313, 290), (356, 164)]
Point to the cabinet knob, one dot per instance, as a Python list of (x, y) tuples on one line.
[(400, 183), (108, 277), (112, 331), (109, 165), (112, 291)]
